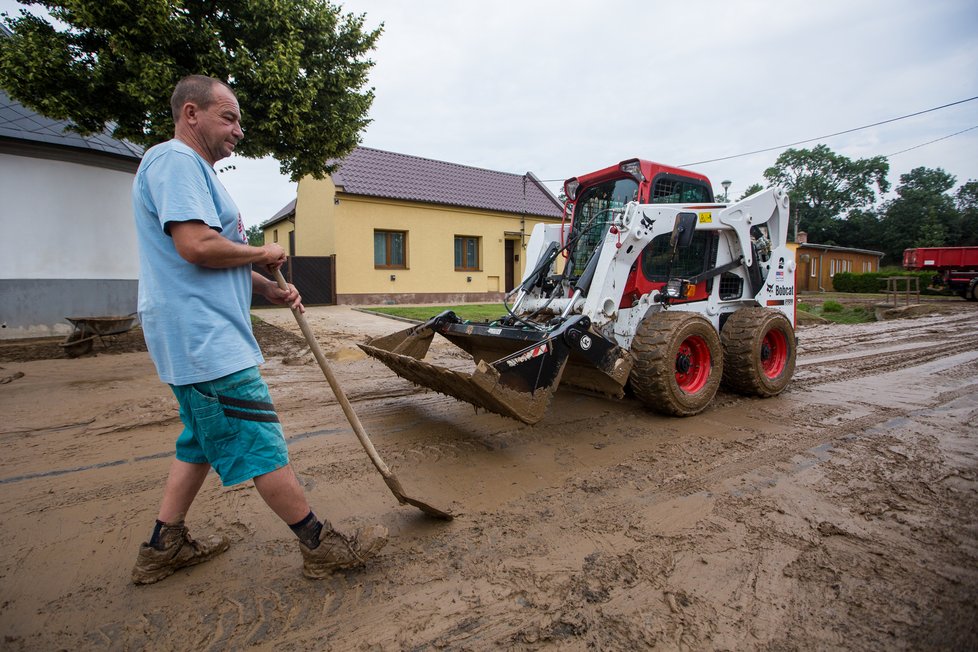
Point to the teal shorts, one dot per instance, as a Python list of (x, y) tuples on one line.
[(230, 423)]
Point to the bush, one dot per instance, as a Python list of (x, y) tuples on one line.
[(832, 306), (874, 282)]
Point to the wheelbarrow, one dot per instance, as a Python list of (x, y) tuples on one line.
[(86, 329)]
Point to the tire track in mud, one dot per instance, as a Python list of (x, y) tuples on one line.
[(780, 451), (245, 619), (817, 339), (829, 371)]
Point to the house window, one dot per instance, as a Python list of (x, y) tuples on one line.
[(466, 253), (274, 235), (389, 249), (814, 267)]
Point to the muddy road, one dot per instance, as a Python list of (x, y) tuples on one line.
[(839, 515)]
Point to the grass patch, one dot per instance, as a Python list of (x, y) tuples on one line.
[(468, 312), (853, 315), (832, 306), (839, 313)]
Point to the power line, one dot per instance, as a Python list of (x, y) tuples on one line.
[(956, 133), (838, 133)]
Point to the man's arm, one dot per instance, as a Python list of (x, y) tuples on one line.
[(201, 245), (271, 291)]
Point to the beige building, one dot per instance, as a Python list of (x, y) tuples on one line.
[(818, 264), (405, 229)]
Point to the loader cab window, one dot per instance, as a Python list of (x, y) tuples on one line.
[(700, 256), (597, 203), (670, 189)]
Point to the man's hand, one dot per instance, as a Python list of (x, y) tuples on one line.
[(274, 256), (271, 291)]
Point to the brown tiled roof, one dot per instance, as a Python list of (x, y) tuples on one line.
[(376, 173)]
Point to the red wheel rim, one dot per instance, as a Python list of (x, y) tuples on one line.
[(693, 364), (774, 353)]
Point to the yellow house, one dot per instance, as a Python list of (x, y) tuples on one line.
[(405, 229)]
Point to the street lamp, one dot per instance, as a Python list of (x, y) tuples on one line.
[(726, 187)]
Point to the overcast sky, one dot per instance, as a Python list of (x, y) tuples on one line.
[(561, 88)]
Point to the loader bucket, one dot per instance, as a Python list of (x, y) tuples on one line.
[(482, 388), (519, 384), (411, 342)]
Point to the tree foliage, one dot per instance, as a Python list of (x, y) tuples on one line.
[(824, 186), (922, 215), (298, 67), (751, 189), (255, 235), (835, 198)]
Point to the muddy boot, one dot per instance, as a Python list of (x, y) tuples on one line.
[(178, 551), (336, 551)]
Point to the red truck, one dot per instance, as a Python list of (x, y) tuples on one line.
[(956, 267)]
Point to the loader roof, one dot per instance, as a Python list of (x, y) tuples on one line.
[(378, 173)]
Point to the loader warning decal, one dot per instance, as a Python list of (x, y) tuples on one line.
[(706, 218), (529, 355)]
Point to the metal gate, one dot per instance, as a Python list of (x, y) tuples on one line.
[(313, 276)]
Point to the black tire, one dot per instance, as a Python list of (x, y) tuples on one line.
[(972, 294), (758, 352), (678, 363)]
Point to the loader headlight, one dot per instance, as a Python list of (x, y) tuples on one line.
[(677, 288), (570, 188), (633, 168)]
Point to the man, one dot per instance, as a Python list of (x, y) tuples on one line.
[(195, 291)]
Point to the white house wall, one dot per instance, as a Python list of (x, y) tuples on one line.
[(70, 244)]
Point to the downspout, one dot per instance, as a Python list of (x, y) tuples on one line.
[(821, 270), (523, 215)]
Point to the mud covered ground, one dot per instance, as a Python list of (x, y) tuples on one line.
[(839, 515)]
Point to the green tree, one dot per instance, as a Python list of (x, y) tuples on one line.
[(966, 198), (256, 237), (922, 215), (966, 201), (824, 187), (751, 189), (298, 67), (861, 229)]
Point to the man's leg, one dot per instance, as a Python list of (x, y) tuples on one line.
[(324, 550), (171, 547), (182, 485), (281, 491)]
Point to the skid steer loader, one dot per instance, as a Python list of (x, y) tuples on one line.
[(648, 284)]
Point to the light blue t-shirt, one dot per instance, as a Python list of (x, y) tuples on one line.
[(196, 320)]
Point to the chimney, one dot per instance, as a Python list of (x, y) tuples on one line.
[(802, 237)]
